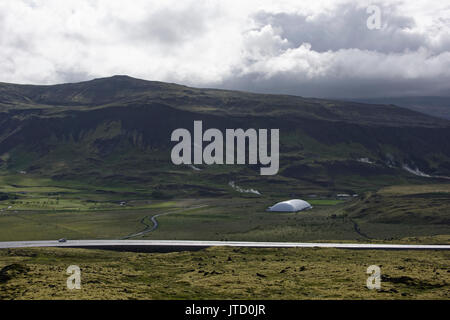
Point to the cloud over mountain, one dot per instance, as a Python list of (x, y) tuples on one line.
[(323, 49)]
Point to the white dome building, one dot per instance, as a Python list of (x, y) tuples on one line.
[(293, 205)]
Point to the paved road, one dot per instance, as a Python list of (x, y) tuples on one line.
[(168, 244)]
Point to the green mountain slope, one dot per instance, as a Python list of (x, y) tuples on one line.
[(116, 131)]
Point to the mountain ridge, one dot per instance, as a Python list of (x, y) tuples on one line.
[(125, 89), (437, 106)]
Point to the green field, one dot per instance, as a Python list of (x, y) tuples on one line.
[(224, 273)]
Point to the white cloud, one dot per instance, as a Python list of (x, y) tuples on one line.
[(319, 48)]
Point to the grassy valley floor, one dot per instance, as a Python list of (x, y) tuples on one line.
[(33, 208)]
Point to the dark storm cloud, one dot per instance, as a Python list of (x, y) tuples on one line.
[(346, 28), (335, 54)]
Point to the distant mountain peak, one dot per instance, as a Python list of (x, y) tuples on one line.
[(121, 77)]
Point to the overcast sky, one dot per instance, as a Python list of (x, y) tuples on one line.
[(309, 48)]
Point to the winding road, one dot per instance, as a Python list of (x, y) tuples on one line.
[(149, 228), (358, 230)]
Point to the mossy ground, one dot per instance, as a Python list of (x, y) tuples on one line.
[(224, 273)]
